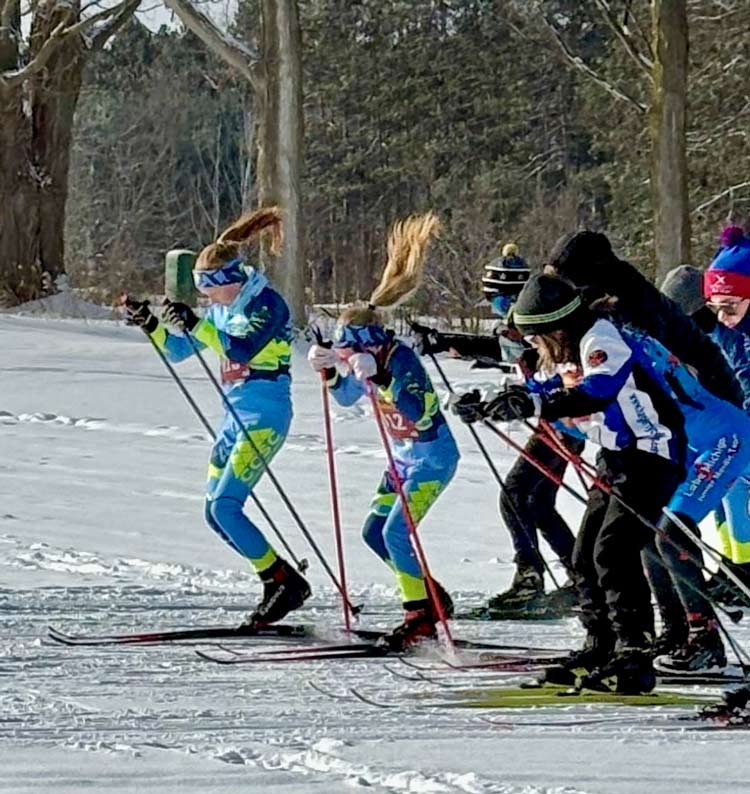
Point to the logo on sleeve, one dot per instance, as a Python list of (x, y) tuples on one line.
[(596, 358)]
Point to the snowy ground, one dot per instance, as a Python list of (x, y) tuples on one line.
[(101, 470)]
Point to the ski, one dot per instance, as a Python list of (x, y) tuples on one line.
[(328, 653), (181, 635), (543, 612)]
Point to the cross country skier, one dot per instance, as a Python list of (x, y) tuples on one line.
[(426, 456), (727, 287), (247, 325), (527, 503), (641, 406)]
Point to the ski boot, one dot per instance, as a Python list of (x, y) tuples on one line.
[(564, 599), (419, 625), (702, 653), (527, 586), (734, 708), (284, 590), (726, 591), (594, 654), (630, 671)]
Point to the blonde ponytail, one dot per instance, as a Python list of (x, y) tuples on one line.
[(407, 245), (246, 228)]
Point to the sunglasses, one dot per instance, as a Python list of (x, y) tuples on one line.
[(728, 307)]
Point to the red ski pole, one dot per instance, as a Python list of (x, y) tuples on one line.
[(335, 513), (410, 523)]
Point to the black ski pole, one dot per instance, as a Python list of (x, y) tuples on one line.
[(301, 564), (279, 488), (497, 476)]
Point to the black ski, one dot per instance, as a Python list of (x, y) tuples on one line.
[(324, 652), (181, 635)]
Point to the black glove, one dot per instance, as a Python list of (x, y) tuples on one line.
[(470, 407), (179, 314), (138, 313), (426, 340), (513, 403)]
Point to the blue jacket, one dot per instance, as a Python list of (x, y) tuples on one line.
[(735, 344)]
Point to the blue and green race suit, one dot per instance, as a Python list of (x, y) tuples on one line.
[(425, 456), (252, 337)]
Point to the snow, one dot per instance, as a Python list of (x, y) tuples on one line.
[(101, 474)]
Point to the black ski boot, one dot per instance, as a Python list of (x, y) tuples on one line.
[(726, 590), (734, 708), (527, 585), (564, 599), (630, 671), (445, 600), (419, 625), (671, 639), (284, 590), (702, 653), (594, 654)]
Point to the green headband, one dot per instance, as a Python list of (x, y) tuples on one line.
[(550, 317)]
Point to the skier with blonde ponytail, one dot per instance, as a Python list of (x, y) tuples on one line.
[(247, 325), (424, 451)]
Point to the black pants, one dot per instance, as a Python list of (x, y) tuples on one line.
[(533, 496), (614, 594)]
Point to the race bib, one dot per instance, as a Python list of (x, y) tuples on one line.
[(397, 425), (233, 371)]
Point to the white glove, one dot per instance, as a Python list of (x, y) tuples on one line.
[(321, 358), (363, 365)]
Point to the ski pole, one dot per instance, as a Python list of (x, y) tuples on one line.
[(498, 478), (301, 564), (333, 483), (333, 479), (354, 610), (410, 523)]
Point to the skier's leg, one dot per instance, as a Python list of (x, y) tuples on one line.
[(380, 508)]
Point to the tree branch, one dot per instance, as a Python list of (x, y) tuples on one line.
[(126, 10), (578, 63), (236, 53), (646, 64), (718, 197)]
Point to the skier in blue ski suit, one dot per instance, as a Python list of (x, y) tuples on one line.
[(248, 326)]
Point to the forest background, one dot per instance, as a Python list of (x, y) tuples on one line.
[(514, 120)]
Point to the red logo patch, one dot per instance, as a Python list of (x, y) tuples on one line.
[(597, 358)]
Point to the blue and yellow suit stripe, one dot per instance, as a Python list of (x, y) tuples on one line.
[(425, 455), (253, 334)]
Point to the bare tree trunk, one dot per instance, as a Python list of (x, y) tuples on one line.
[(280, 143), (668, 113)]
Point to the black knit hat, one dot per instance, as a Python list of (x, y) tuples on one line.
[(546, 304), (505, 276), (582, 257)]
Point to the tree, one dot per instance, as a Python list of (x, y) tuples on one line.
[(663, 59), (274, 76), (40, 80)]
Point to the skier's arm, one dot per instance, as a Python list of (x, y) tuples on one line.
[(174, 346), (411, 390), (346, 389), (265, 318), (607, 362)]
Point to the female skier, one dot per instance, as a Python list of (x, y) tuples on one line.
[(247, 325), (366, 355)]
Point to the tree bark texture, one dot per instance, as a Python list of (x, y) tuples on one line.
[(280, 143), (668, 120)]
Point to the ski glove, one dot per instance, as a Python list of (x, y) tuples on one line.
[(514, 403), (426, 340), (322, 358), (469, 407), (179, 314), (363, 366), (138, 313)]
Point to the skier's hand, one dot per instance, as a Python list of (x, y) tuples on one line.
[(426, 340), (514, 403), (363, 366), (138, 313), (322, 358), (469, 407), (179, 314)]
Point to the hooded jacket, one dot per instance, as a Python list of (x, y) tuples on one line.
[(587, 260)]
